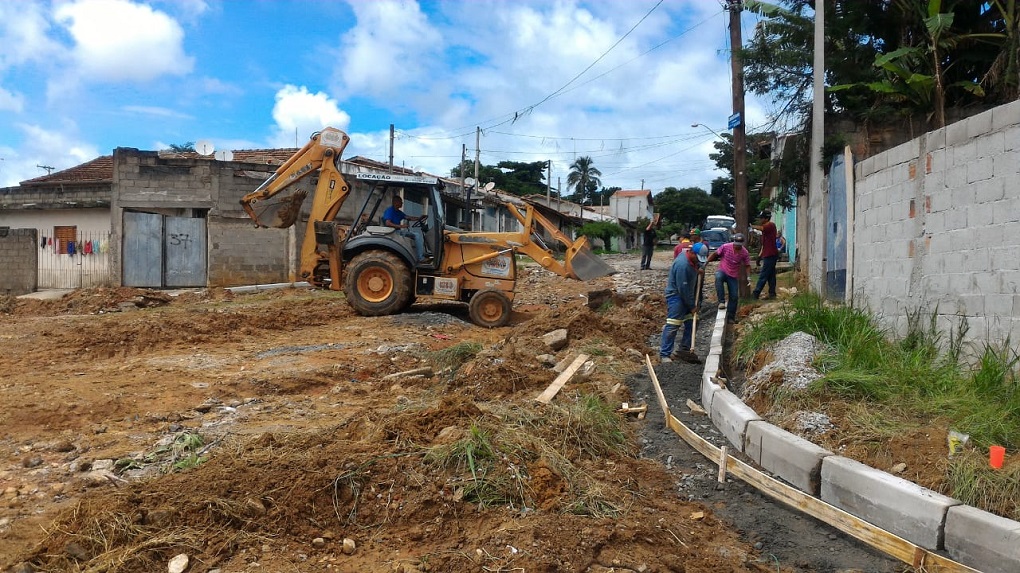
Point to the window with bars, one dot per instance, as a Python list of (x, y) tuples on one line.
[(65, 234)]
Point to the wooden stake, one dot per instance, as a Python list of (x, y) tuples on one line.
[(722, 463)]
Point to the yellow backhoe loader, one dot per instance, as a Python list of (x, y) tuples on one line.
[(377, 268)]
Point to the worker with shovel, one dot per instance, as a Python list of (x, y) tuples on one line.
[(681, 308)]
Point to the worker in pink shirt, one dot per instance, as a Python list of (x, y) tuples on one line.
[(730, 256)]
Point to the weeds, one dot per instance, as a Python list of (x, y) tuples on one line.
[(7, 303), (972, 481), (918, 377), (493, 460)]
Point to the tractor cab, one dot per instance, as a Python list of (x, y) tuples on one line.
[(420, 195)]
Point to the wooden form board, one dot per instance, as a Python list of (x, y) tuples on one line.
[(546, 396), (918, 557)]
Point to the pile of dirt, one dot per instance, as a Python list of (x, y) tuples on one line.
[(391, 484)]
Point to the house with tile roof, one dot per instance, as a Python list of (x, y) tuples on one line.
[(70, 213), (174, 220)]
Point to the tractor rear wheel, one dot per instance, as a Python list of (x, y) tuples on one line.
[(489, 308), (378, 283)]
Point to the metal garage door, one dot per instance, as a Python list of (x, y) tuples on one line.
[(162, 251)]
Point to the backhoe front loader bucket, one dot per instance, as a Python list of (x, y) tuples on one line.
[(584, 265), (280, 213)]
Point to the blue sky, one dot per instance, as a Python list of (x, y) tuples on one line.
[(627, 78)]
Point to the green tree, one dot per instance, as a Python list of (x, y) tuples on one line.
[(601, 197), (514, 177), (686, 208), (182, 147), (604, 230), (584, 179)]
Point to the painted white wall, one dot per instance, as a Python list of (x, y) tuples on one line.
[(92, 220)]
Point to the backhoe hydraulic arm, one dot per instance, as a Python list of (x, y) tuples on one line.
[(319, 157)]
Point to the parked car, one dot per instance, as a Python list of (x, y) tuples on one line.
[(716, 238)]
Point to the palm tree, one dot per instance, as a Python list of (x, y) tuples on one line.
[(583, 178)]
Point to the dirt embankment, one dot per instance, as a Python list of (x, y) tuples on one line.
[(263, 429)]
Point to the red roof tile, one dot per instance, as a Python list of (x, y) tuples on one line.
[(99, 170), (633, 193)]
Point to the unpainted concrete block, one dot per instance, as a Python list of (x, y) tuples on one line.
[(983, 540), (899, 506), (731, 416), (789, 456)]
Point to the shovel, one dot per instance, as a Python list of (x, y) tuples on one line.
[(697, 307)]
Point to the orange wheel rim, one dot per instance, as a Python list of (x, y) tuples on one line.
[(490, 310), (375, 285)]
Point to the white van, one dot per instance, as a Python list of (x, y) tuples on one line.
[(720, 222)]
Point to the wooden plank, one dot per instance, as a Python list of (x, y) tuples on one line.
[(918, 557), (546, 396), (658, 389)]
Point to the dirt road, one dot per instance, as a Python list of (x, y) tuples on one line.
[(275, 431)]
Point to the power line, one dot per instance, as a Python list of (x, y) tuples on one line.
[(514, 116)]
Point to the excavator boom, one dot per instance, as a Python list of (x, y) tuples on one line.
[(579, 263)]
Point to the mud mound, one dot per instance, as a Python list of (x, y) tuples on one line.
[(620, 326), (157, 329)]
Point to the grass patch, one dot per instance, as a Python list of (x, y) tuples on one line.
[(917, 377), (454, 356)]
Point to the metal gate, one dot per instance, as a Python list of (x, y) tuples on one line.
[(81, 261), (164, 251), (835, 231)]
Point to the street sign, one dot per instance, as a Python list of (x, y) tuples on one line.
[(733, 121)]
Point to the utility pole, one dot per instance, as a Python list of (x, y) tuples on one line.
[(548, 182), (642, 184), (391, 148), (739, 133), (815, 203), (49, 168), (478, 150)]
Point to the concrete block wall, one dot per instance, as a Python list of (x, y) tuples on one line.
[(937, 227), (45, 196), (19, 254), (240, 254), (928, 519)]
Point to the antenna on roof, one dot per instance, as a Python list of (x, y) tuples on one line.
[(49, 169), (204, 147)]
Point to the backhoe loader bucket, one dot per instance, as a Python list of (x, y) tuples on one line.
[(281, 213), (584, 265)]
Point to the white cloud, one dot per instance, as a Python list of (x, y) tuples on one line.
[(299, 113), (55, 148), (23, 34), (10, 101), (117, 40), (392, 45), (155, 111)]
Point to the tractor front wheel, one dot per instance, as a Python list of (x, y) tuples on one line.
[(489, 308), (378, 283)]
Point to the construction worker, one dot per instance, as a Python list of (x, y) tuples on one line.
[(680, 308)]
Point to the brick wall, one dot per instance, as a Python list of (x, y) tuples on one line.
[(937, 228), (19, 259)]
